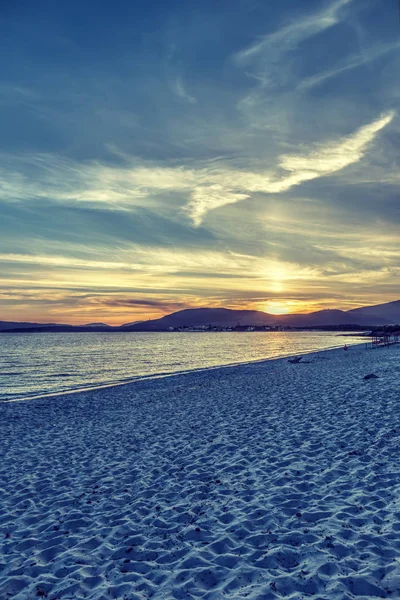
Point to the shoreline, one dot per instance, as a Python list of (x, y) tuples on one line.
[(261, 480), (167, 375)]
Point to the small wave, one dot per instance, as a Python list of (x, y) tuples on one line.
[(11, 373), (63, 375)]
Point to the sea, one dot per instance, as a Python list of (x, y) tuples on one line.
[(38, 364)]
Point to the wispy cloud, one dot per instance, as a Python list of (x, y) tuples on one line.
[(15, 93), (149, 261), (209, 197), (330, 157), (208, 187), (326, 159), (181, 91), (269, 48), (276, 64), (349, 64)]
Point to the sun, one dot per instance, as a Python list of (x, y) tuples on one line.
[(276, 308)]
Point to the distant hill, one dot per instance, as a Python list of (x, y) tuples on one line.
[(224, 317), (96, 325), (59, 329), (21, 327), (197, 317), (332, 317), (389, 311), (5, 325), (366, 316)]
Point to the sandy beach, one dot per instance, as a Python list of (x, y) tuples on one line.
[(262, 481)]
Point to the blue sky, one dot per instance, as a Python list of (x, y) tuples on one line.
[(163, 155)]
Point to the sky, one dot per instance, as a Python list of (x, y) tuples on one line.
[(163, 155)]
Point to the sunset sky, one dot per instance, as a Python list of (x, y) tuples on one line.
[(163, 155)]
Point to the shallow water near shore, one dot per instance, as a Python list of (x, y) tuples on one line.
[(47, 363)]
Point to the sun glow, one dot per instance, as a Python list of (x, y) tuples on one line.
[(276, 308)]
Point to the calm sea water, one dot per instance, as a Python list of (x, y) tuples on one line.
[(43, 363)]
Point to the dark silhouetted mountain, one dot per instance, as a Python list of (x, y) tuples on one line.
[(198, 317), (60, 329), (96, 325), (5, 325), (224, 317), (389, 311), (331, 317), (367, 316)]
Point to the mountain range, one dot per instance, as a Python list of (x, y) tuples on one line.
[(367, 316)]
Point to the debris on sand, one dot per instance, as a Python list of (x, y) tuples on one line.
[(295, 360)]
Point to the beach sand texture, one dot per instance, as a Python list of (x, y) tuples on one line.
[(263, 481)]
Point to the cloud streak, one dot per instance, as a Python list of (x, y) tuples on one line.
[(210, 187), (181, 91), (350, 63), (326, 159), (267, 51)]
